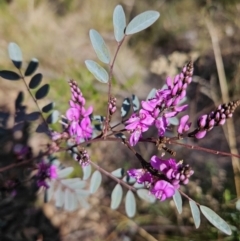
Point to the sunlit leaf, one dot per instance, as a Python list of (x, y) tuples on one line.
[(99, 46), (216, 220), (64, 172), (98, 71), (74, 183), (146, 195), (86, 172), (53, 117), (32, 66), (15, 54), (48, 107), (119, 22), (130, 204), (95, 182), (59, 197), (138, 185), (35, 81), (152, 94), (177, 198), (195, 213), (126, 106), (42, 92), (118, 172), (142, 21), (116, 196), (174, 121), (136, 103), (9, 75)]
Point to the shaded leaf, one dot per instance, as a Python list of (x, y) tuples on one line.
[(32, 116), (42, 92), (99, 46), (35, 81), (87, 172), (53, 117), (98, 71), (142, 21), (216, 220), (129, 179), (48, 107), (118, 172), (238, 205), (15, 54), (136, 103), (119, 22), (74, 183), (120, 135), (19, 100), (9, 75), (126, 106), (32, 66), (42, 128), (195, 213), (146, 195), (130, 204), (95, 182), (177, 198), (116, 196)]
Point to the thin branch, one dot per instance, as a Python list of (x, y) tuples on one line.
[(110, 85)]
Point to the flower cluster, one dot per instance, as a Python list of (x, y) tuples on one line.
[(163, 106), (215, 118), (45, 171), (164, 177), (79, 126)]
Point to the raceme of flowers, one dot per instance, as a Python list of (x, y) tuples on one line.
[(165, 177), (159, 109)]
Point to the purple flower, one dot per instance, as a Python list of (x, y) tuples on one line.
[(86, 128), (162, 190), (161, 123), (45, 171), (184, 125), (140, 175)]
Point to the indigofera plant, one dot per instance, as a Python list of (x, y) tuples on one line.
[(158, 178)]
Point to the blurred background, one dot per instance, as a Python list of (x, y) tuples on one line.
[(56, 33)]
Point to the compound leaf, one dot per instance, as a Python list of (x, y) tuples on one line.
[(98, 71), (42, 92), (215, 220), (95, 182), (119, 22), (130, 204), (15, 54), (116, 196), (35, 81), (195, 213), (32, 66), (177, 198), (142, 21), (99, 46)]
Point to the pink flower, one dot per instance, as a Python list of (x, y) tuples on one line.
[(140, 175), (184, 125), (162, 190)]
